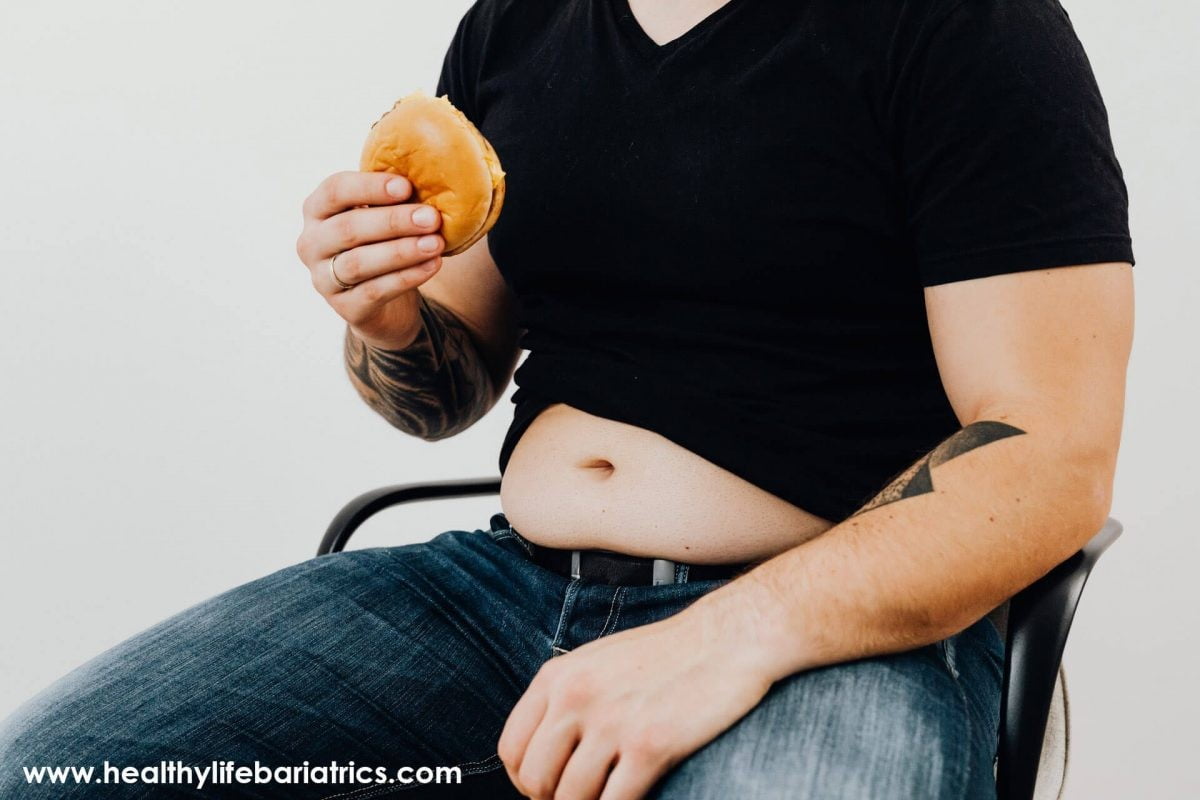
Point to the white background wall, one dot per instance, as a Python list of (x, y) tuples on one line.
[(174, 419)]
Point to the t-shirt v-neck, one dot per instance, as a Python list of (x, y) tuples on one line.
[(640, 42)]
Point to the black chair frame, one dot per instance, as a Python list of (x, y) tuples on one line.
[(1039, 620)]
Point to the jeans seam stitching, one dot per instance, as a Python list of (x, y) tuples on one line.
[(524, 544), (618, 596), (568, 599), (511, 533), (620, 608)]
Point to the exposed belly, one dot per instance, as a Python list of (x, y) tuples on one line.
[(580, 481)]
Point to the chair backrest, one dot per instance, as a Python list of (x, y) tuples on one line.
[(361, 508), (1039, 619)]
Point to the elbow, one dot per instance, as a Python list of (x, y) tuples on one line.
[(1070, 464), (1085, 497), (438, 434), (1095, 503)]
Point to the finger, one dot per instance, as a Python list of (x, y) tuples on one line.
[(372, 260), (360, 226), (362, 302), (346, 190), (630, 779), (518, 728), (587, 770), (545, 756)]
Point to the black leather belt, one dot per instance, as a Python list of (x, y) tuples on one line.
[(606, 566)]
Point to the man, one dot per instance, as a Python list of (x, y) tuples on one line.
[(828, 308)]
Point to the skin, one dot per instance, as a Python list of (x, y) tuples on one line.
[(665, 20), (431, 362), (1042, 353), (1033, 364), (1037, 356)]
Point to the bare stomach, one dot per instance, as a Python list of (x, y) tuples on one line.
[(575, 480)]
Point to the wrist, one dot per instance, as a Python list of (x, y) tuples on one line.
[(397, 345), (393, 340), (750, 624)]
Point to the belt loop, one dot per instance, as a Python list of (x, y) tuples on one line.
[(663, 572), (575, 571)]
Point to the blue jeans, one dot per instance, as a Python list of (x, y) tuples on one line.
[(414, 655)]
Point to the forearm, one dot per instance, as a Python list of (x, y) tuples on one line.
[(434, 388), (986, 513)]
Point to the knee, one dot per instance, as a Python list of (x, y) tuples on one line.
[(44, 753), (888, 727), (131, 703), (19, 742)]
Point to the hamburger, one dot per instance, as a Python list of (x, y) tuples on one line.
[(450, 164)]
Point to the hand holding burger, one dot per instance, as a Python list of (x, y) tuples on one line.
[(358, 232)]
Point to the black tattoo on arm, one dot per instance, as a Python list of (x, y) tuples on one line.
[(918, 479), (434, 388)]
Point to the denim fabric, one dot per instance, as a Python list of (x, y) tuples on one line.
[(415, 655)]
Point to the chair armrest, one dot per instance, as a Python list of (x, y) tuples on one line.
[(1039, 619), (360, 509)]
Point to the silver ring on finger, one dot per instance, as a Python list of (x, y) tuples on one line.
[(333, 274)]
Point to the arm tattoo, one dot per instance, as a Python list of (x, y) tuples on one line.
[(918, 479), (434, 388)]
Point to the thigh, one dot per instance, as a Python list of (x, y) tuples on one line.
[(916, 724), (409, 655)]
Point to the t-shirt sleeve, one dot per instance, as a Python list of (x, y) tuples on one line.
[(460, 66), (1003, 140)]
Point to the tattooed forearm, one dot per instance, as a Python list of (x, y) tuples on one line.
[(918, 479), (434, 388)]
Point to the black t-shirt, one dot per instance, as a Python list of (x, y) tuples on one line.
[(724, 239)]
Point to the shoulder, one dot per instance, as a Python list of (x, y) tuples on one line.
[(920, 21), (1015, 49)]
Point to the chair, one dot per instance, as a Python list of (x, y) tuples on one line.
[(1039, 619)]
